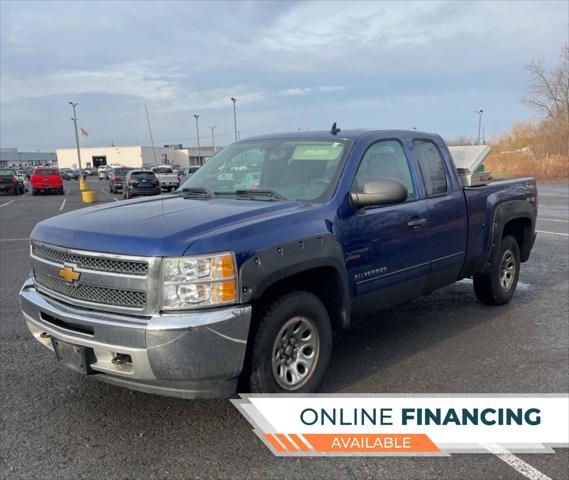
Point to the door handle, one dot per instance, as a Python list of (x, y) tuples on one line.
[(416, 222)]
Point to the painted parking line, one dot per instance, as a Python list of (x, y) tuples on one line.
[(64, 200), (8, 203), (553, 220), (14, 239), (516, 463), (105, 192), (115, 199), (553, 233)]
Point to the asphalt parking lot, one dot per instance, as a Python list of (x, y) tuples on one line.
[(58, 424)]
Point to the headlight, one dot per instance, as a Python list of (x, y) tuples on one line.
[(198, 281)]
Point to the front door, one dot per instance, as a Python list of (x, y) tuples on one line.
[(386, 247)]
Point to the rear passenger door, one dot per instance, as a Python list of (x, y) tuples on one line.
[(446, 211)]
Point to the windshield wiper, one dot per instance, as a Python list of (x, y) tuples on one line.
[(252, 193), (201, 192)]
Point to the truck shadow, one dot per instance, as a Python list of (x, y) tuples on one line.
[(412, 347), (416, 347)]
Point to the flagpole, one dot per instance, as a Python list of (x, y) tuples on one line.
[(150, 131)]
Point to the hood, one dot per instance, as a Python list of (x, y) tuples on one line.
[(154, 226)]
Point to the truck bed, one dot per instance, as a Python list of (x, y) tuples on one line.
[(481, 202)]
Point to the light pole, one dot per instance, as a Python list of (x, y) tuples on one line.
[(198, 135), (211, 127), (74, 118), (234, 100), (479, 112)]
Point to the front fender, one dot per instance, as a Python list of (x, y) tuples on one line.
[(272, 264)]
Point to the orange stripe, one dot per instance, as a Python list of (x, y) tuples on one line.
[(285, 441), (298, 441), (382, 442), (273, 441)]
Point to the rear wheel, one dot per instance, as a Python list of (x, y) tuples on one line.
[(34, 191), (498, 284), (291, 347)]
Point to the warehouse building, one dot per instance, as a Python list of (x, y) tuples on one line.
[(10, 157), (129, 156)]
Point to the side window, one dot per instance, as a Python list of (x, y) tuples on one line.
[(432, 167), (386, 159)]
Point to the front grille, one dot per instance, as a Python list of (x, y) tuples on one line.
[(88, 262), (91, 293)]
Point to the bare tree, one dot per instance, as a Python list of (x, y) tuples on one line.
[(548, 91)]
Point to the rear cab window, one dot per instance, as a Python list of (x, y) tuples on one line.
[(162, 170), (7, 173), (432, 167)]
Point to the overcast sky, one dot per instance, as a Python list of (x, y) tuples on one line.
[(290, 64)]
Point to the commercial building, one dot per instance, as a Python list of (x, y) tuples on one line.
[(199, 158), (10, 157), (129, 156)]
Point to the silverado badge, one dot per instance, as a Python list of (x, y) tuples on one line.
[(69, 274)]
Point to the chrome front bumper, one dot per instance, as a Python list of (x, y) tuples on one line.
[(186, 355)]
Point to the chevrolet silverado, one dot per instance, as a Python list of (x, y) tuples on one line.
[(186, 294)]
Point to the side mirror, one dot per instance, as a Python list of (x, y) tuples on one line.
[(383, 191)]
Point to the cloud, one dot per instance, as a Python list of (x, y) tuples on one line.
[(290, 64)]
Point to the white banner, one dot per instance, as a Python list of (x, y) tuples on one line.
[(407, 424)]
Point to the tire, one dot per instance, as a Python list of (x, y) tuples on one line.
[(61, 191), (498, 284), (34, 191), (300, 311), (16, 190)]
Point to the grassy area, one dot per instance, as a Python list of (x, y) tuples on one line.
[(519, 164)]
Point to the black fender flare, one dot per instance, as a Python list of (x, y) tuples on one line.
[(270, 265), (506, 212)]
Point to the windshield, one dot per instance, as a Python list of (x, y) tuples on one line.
[(296, 169), (143, 175), (7, 173)]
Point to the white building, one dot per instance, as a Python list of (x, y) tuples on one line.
[(10, 157), (135, 157)]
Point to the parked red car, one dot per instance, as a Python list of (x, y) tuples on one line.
[(46, 179)]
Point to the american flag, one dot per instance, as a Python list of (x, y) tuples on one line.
[(84, 132)]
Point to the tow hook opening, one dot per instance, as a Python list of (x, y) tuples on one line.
[(121, 359)]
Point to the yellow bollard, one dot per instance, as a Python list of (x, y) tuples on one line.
[(82, 185), (88, 196)]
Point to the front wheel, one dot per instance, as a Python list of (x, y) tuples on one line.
[(498, 284), (291, 345)]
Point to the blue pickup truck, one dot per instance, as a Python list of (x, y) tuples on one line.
[(242, 274)]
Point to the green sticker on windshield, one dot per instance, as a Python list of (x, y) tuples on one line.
[(319, 151)]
